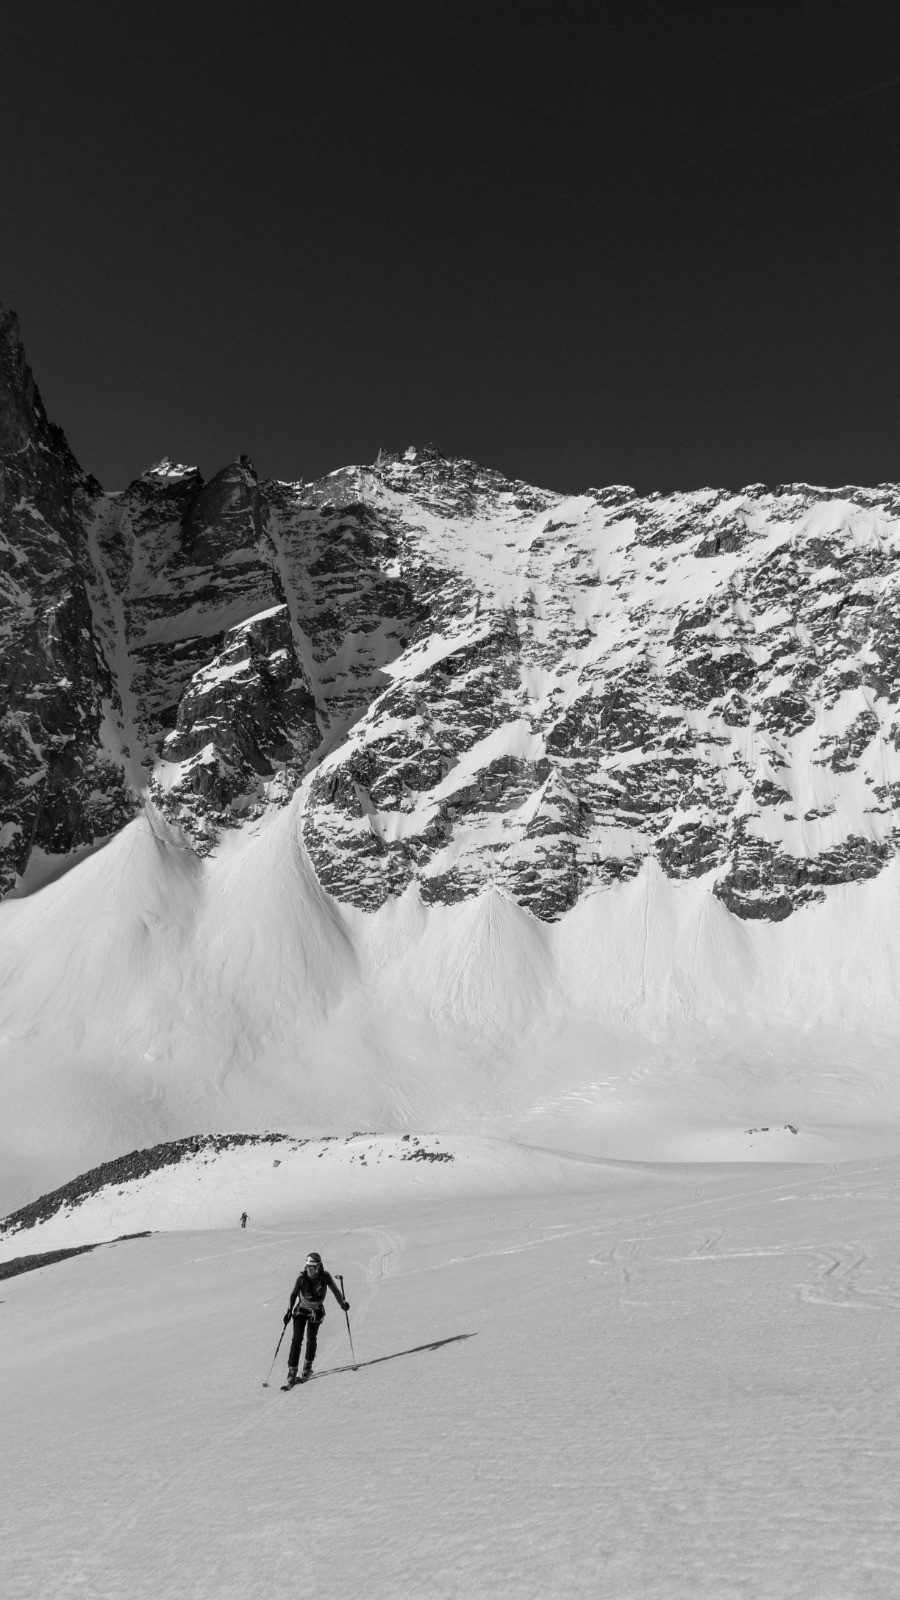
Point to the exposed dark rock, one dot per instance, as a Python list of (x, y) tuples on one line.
[(767, 793), (60, 784), (49, 1258), (245, 717), (689, 849), (763, 881)]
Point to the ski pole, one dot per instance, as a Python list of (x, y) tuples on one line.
[(275, 1356), (347, 1315)]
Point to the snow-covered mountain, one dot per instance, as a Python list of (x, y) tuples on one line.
[(420, 793), (481, 682)]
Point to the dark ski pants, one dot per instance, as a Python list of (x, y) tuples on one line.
[(300, 1323)]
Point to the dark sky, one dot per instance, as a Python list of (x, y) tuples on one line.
[(654, 243)]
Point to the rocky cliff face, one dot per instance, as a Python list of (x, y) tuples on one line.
[(61, 780), (469, 681)]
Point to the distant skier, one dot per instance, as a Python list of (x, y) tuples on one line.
[(243, 1219), (307, 1309)]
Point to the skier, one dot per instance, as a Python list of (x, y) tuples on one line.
[(243, 1219), (307, 1309)]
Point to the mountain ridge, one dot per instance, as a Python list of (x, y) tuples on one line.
[(477, 680)]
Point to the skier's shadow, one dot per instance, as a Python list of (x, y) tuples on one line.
[(376, 1360)]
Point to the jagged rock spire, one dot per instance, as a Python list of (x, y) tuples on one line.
[(21, 410)]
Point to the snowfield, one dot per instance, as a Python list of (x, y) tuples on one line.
[(148, 994), (574, 1378), (618, 1229), (521, 871)]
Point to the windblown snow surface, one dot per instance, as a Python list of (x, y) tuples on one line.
[(573, 1377), (636, 1339)]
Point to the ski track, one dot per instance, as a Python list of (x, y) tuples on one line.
[(650, 1219), (847, 1280)]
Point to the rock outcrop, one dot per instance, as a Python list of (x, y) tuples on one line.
[(61, 778)]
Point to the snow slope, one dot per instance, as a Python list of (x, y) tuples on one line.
[(279, 1178), (149, 993), (422, 798), (677, 1385)]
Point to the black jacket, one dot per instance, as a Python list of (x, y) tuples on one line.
[(308, 1294)]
